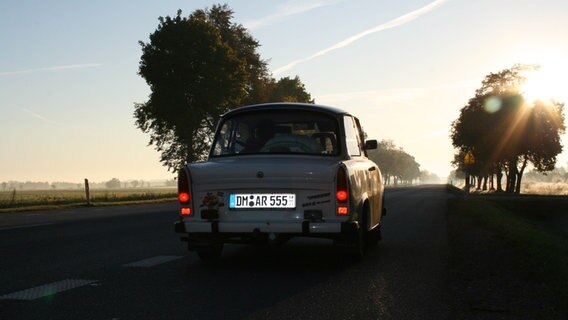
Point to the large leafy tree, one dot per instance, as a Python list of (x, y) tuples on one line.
[(194, 75), (197, 68), (505, 132), (245, 48)]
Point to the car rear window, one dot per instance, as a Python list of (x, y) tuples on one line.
[(277, 132)]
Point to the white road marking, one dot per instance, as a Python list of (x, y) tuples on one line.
[(27, 226), (150, 262), (47, 289)]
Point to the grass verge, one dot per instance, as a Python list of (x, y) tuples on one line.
[(493, 248), (16, 201)]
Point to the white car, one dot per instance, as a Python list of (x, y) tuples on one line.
[(282, 170)]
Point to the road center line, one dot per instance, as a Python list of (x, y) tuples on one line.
[(150, 262), (47, 289)]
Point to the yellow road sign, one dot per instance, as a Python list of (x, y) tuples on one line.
[(469, 158)]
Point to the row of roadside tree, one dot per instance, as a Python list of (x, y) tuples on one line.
[(397, 166)]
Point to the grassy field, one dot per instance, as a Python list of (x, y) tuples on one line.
[(533, 232), (545, 188), (20, 200)]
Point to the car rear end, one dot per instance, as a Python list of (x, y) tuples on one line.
[(250, 199), (272, 174)]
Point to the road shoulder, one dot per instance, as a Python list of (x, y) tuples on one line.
[(486, 280)]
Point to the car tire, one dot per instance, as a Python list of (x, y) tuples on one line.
[(351, 245), (356, 247), (357, 251), (374, 236), (371, 237)]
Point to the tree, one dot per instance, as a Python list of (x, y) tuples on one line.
[(406, 167), (113, 183), (197, 68), (245, 48), (384, 156), (505, 132), (429, 177), (395, 163), (289, 90)]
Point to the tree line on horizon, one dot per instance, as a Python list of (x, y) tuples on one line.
[(499, 133)]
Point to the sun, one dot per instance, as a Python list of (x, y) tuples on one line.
[(547, 82)]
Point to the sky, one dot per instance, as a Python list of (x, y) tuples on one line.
[(69, 82)]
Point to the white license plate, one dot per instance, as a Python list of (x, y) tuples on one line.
[(262, 200)]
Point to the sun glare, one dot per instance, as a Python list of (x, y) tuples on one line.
[(546, 83)]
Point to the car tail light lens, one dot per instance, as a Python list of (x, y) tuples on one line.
[(183, 197), (342, 192), (341, 196), (184, 191)]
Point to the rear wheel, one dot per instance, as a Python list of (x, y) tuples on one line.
[(357, 251), (370, 237), (373, 236), (355, 246), (351, 244)]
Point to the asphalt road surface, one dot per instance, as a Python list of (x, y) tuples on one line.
[(127, 263)]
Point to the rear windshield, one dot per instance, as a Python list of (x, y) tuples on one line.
[(277, 132)]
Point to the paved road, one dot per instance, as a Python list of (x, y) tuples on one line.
[(127, 263)]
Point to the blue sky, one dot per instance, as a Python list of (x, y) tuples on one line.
[(68, 72)]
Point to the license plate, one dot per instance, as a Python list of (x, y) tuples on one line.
[(262, 200)]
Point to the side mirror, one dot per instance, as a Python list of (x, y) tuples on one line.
[(371, 144)]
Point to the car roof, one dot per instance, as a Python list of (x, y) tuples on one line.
[(287, 105)]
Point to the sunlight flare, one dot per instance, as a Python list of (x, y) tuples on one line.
[(547, 83)]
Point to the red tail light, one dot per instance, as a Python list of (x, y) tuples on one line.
[(342, 192), (184, 192), (341, 196), (183, 197)]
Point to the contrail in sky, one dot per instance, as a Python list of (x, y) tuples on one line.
[(56, 68), (40, 117), (387, 25)]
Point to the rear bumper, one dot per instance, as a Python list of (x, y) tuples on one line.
[(304, 228)]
